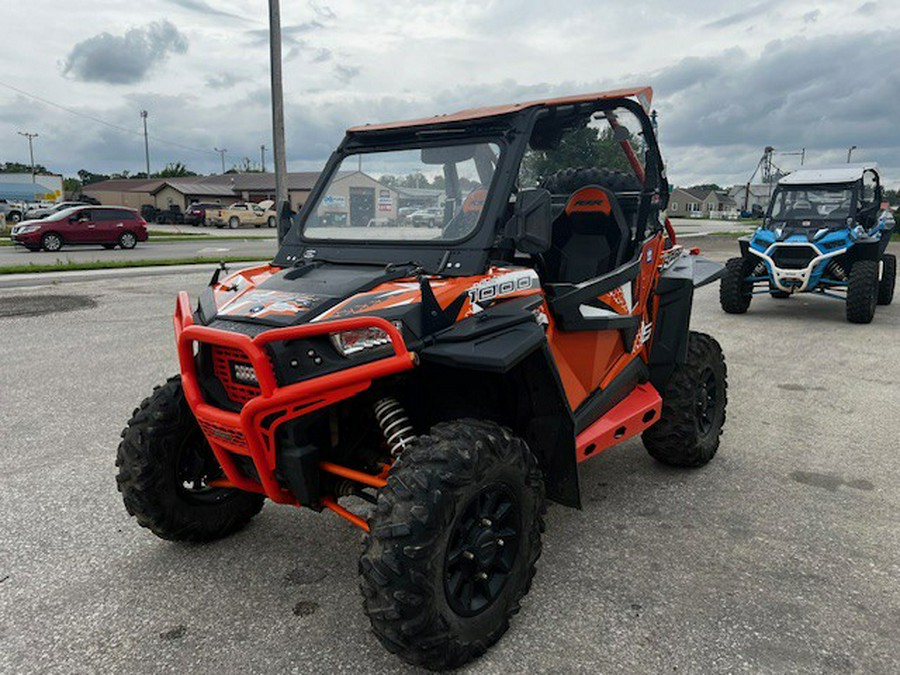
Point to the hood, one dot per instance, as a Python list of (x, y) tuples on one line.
[(291, 296), (287, 297)]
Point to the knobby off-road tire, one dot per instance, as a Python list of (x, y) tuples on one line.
[(693, 407), (567, 181), (162, 451), (862, 291), (888, 279), (735, 293), (464, 501)]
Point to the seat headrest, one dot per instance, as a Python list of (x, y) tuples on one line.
[(590, 199), (474, 202)]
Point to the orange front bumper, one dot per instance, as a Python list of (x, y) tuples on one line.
[(253, 430)]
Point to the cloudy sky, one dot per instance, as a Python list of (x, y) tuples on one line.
[(730, 76)]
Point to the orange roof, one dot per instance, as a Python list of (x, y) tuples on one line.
[(643, 94)]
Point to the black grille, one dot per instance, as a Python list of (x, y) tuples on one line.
[(793, 257)]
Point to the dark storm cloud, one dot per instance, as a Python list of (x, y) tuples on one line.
[(321, 55), (867, 9), (322, 11), (812, 17), (817, 93), (203, 8), (124, 59), (738, 17), (224, 80), (346, 73)]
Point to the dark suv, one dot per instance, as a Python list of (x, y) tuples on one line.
[(196, 213), (107, 226)]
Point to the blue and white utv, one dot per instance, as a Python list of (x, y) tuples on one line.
[(825, 232)]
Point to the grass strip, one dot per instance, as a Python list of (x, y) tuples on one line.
[(65, 266)]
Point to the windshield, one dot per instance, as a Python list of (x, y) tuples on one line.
[(818, 203), (62, 214), (423, 194)]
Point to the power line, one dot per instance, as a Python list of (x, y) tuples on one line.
[(77, 113)]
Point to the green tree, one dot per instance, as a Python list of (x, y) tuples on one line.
[(87, 177), (18, 167), (175, 170), (245, 166), (71, 186), (707, 186), (579, 148)]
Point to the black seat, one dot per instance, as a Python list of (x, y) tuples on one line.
[(590, 237)]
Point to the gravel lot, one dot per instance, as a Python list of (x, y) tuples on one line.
[(780, 556)]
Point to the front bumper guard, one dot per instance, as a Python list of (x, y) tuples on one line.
[(793, 280), (252, 432)]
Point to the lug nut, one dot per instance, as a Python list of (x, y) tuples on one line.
[(486, 522), (500, 542), (468, 555), (481, 576)]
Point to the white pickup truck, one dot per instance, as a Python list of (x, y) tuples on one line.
[(12, 210), (243, 213)]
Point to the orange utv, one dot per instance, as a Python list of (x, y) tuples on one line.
[(434, 385)]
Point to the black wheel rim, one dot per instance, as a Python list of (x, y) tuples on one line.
[(195, 468), (707, 397), (482, 550)]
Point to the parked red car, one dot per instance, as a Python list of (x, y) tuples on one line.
[(108, 226)]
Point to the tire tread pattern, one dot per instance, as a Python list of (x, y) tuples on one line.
[(888, 279), (403, 552), (735, 294), (145, 461), (862, 291), (675, 439)]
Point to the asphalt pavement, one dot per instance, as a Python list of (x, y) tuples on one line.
[(780, 556)]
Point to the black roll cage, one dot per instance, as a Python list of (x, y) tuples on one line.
[(469, 255)]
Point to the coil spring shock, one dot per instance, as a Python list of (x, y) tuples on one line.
[(395, 424), (836, 271)]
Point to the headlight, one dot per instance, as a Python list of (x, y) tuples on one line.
[(27, 229), (244, 373), (354, 341)]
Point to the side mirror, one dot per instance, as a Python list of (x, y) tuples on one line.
[(531, 221)]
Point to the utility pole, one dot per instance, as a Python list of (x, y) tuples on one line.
[(262, 158), (146, 143), (30, 138), (222, 152), (278, 148), (850, 152)]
